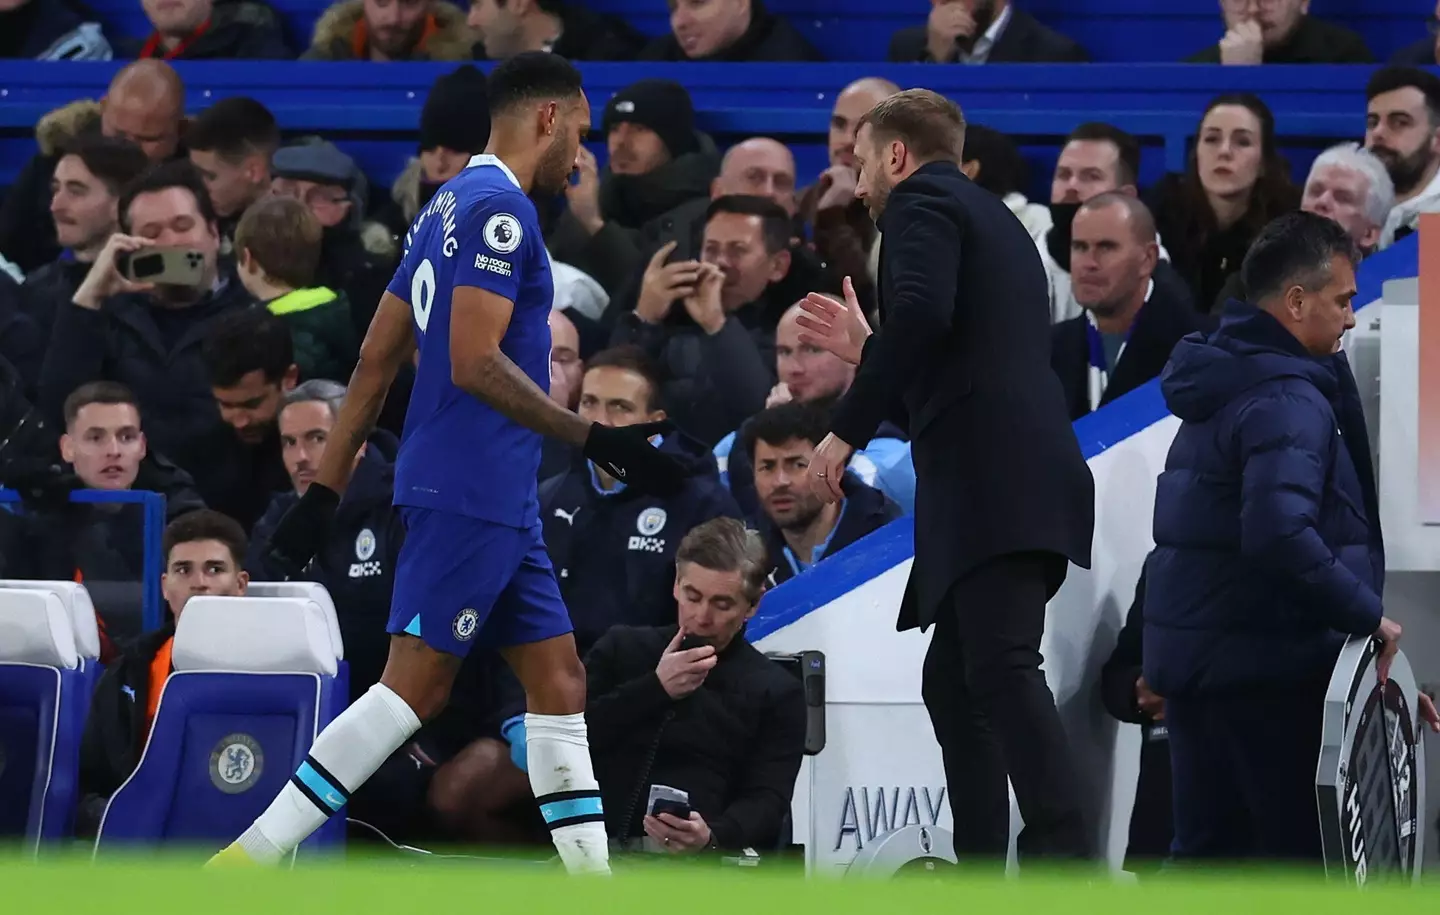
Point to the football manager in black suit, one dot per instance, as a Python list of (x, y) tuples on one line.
[(1003, 497)]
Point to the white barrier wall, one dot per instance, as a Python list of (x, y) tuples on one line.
[(881, 766)]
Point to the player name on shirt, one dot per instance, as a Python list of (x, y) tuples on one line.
[(443, 205)]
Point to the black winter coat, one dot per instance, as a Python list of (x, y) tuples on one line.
[(734, 744), (122, 342)]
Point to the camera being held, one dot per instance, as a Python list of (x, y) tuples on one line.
[(129, 263)]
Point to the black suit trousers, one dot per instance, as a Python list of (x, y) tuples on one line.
[(994, 715)]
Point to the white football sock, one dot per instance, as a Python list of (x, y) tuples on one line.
[(563, 780), (345, 754)]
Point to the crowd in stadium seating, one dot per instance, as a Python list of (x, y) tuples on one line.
[(955, 31), (678, 266)]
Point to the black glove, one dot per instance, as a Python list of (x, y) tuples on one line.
[(42, 485), (303, 531), (626, 454)]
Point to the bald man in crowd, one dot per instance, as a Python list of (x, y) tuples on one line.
[(145, 104), (1136, 307), (843, 230), (757, 167)]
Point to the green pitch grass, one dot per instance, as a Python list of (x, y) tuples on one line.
[(154, 886)]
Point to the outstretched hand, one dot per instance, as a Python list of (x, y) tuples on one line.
[(836, 327), (303, 530), (626, 453)]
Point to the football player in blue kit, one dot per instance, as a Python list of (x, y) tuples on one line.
[(473, 293)]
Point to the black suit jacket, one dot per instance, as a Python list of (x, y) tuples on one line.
[(1168, 315), (1023, 41), (964, 350)]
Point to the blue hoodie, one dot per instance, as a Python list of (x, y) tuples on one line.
[(1267, 529)]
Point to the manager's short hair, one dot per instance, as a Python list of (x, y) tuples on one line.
[(726, 545), (1296, 249), (1380, 196), (931, 126)]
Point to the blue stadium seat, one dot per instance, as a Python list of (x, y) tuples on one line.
[(81, 612), (41, 680), (254, 683), (314, 591)]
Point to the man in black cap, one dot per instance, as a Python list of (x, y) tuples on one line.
[(658, 160), (354, 258), (454, 125)]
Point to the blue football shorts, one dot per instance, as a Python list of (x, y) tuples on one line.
[(462, 582)]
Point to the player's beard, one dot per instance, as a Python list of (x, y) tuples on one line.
[(552, 172)]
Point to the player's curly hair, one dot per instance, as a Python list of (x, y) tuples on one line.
[(531, 76)]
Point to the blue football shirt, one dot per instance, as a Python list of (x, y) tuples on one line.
[(457, 454)]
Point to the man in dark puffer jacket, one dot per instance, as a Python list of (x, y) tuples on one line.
[(1268, 548)]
